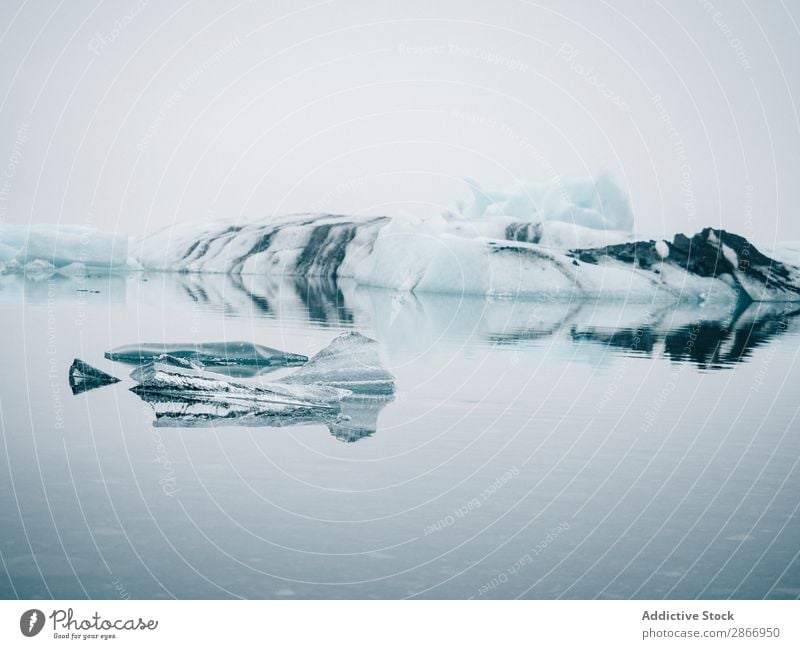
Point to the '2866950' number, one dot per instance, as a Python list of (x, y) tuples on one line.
[(754, 632)]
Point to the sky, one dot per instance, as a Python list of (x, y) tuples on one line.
[(131, 115)]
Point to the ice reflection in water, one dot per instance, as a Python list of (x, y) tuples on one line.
[(600, 439), (708, 336)]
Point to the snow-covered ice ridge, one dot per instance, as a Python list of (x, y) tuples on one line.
[(501, 255)]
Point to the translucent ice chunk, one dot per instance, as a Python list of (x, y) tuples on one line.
[(345, 389), (351, 361)]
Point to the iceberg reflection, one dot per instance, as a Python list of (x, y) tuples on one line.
[(711, 336)]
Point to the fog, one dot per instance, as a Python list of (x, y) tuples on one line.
[(131, 115)]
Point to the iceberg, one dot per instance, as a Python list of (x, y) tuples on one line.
[(497, 256), (83, 377), (344, 387), (183, 394), (351, 362), (561, 241), (229, 356), (712, 258), (600, 204), (307, 245), (60, 245)]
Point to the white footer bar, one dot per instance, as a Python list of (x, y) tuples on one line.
[(406, 624)]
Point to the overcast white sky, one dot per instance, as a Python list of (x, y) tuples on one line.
[(132, 114)]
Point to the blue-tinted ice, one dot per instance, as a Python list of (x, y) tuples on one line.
[(240, 358)]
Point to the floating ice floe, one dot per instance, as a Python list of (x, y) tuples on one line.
[(235, 358), (84, 377), (189, 397), (169, 379), (344, 387)]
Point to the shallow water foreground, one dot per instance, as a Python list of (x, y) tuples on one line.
[(535, 450)]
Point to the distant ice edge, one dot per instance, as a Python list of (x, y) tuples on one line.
[(497, 257)]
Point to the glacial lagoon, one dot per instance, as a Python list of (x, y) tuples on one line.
[(533, 449)]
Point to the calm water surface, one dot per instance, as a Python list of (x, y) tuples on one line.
[(534, 450)]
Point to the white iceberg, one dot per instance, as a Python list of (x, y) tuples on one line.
[(61, 245), (547, 260), (562, 241)]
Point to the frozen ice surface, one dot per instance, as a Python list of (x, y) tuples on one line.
[(83, 377), (217, 354), (352, 362)]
